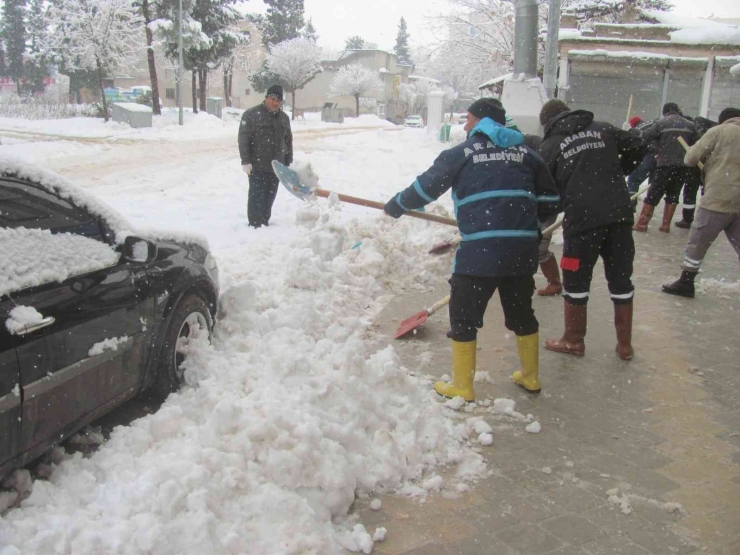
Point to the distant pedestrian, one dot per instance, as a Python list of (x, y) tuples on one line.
[(670, 174), (264, 136), (719, 149), (589, 160), (502, 192)]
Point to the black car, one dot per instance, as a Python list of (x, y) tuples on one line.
[(100, 335)]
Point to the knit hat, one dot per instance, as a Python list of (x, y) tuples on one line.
[(551, 109), (276, 91), (634, 120), (728, 113), (488, 108), (671, 108)]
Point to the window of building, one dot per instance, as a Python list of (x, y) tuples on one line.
[(246, 92), (170, 94)]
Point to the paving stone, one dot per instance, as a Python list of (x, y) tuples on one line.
[(479, 545), (572, 529), (493, 517), (575, 499), (614, 546), (428, 549), (530, 540)]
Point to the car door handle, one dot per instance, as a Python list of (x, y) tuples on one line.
[(48, 321)]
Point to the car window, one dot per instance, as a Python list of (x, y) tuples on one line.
[(25, 205)]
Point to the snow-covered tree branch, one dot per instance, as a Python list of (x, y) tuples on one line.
[(355, 80), (296, 62), (99, 35)]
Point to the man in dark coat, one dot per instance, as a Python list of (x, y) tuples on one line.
[(502, 191), (589, 160), (645, 168), (264, 136), (670, 174)]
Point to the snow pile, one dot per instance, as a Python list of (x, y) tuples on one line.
[(290, 414), (724, 288), (735, 70), (30, 257), (22, 317), (107, 344), (624, 501)]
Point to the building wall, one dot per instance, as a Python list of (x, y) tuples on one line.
[(317, 92)]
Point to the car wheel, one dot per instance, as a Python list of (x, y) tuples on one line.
[(190, 320)]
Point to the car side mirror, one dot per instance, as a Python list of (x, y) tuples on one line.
[(136, 249)]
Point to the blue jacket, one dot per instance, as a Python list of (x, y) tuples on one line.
[(502, 190)]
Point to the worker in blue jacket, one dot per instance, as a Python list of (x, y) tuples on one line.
[(502, 190)]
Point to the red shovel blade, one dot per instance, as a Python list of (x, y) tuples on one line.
[(441, 248), (411, 323)]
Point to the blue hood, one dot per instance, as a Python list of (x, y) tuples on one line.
[(500, 135)]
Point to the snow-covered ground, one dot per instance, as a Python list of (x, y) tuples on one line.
[(297, 406)]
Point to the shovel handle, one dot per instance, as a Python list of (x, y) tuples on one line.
[(379, 205), (439, 304), (685, 146)]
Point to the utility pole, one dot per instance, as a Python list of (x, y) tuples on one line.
[(551, 48), (179, 63)]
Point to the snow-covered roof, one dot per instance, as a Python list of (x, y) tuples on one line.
[(134, 107), (495, 81), (423, 78), (681, 30), (632, 56)]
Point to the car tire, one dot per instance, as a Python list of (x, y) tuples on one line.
[(190, 316)]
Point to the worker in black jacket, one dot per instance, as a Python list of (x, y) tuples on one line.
[(264, 136), (670, 174), (502, 191), (589, 160)]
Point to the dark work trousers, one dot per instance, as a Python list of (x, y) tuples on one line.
[(469, 298), (641, 173), (690, 192), (581, 251), (263, 188), (668, 181)]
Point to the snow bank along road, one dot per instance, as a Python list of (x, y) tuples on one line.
[(296, 407)]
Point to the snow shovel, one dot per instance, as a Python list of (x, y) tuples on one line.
[(685, 145), (292, 182), (413, 322)]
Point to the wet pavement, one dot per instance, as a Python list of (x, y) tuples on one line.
[(636, 458)]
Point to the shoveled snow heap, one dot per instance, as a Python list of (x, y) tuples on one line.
[(292, 411)]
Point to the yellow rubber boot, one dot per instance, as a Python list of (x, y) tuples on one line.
[(529, 355), (463, 372)]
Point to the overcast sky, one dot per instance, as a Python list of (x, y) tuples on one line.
[(377, 20)]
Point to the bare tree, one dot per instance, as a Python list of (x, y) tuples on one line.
[(296, 62), (354, 80)]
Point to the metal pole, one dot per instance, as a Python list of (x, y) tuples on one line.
[(525, 37), (551, 47), (179, 62)]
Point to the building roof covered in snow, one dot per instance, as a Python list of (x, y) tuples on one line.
[(495, 81)]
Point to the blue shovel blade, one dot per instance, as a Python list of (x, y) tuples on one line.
[(291, 181)]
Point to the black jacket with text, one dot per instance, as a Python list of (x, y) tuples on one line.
[(265, 136), (589, 160)]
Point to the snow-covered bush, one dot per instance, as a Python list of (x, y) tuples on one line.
[(41, 107)]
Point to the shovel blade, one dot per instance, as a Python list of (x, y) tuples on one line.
[(291, 180), (411, 323), (441, 248)]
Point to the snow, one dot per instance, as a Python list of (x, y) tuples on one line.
[(735, 70), (379, 534), (621, 54), (133, 107), (22, 317), (297, 406), (31, 257), (534, 428), (376, 504), (496, 80), (107, 344)]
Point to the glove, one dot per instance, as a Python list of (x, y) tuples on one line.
[(626, 126), (247, 168), (393, 209)]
